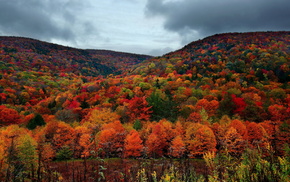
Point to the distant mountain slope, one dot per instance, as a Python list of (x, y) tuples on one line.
[(265, 54), (24, 54), (119, 60)]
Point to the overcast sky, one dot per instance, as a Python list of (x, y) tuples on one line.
[(150, 27)]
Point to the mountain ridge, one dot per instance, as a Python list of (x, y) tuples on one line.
[(77, 61), (102, 51), (249, 49), (106, 62), (219, 35)]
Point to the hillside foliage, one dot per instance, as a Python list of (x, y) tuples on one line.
[(223, 94)]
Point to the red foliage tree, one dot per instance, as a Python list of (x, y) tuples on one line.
[(9, 116), (210, 106), (239, 103), (257, 135), (194, 117), (278, 112), (158, 141), (138, 109)]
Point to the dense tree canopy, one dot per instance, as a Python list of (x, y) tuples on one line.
[(221, 94)]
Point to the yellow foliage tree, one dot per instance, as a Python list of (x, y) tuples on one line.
[(102, 116)]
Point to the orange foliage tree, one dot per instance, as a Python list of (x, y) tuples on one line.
[(3, 153), (158, 142), (18, 148), (46, 152), (199, 139), (133, 145), (111, 139), (178, 129), (220, 129), (257, 136), (219, 133), (240, 127), (177, 148), (84, 142), (63, 136), (234, 142), (155, 145), (58, 134)]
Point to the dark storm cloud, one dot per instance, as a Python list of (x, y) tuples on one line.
[(42, 19), (207, 17)]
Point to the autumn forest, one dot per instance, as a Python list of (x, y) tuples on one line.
[(224, 100)]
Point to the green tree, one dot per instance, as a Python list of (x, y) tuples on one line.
[(226, 106), (163, 106), (65, 153), (137, 125), (27, 154), (36, 121)]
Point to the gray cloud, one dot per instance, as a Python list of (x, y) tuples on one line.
[(41, 19), (199, 18), (159, 52)]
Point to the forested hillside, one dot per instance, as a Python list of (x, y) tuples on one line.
[(245, 54), (24, 54), (223, 94)]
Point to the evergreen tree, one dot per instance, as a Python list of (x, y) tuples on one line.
[(137, 125), (163, 106), (36, 121), (65, 153)]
